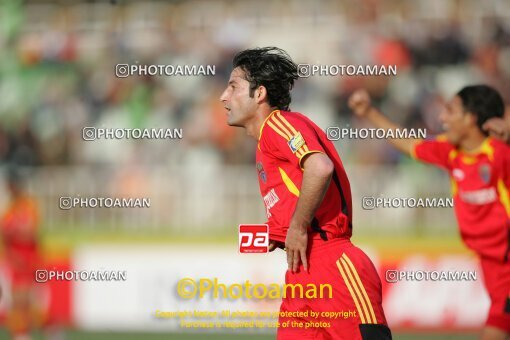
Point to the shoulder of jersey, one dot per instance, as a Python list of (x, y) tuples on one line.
[(283, 124), (439, 138), (500, 147), (445, 143)]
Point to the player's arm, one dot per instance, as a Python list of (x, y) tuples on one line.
[(318, 169), (499, 128), (360, 103)]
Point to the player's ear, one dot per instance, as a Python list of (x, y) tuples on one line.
[(260, 94), (471, 119)]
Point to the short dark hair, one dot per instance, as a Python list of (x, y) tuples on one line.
[(483, 101), (272, 68)]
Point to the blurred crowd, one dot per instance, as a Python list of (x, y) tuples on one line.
[(57, 71)]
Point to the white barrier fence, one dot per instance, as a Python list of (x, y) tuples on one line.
[(187, 200)]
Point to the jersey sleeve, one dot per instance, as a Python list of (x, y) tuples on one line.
[(291, 138), (434, 151)]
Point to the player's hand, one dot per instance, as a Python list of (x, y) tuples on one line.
[(497, 128), (360, 102), (296, 243), (272, 245)]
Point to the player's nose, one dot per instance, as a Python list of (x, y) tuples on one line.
[(223, 97), (442, 116)]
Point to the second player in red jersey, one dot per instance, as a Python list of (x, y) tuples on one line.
[(479, 168), (480, 181)]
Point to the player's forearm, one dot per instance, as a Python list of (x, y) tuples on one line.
[(318, 170), (382, 122)]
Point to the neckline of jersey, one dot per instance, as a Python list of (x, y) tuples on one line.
[(479, 150), (265, 120)]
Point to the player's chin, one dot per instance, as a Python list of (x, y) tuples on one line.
[(231, 121), (453, 139)]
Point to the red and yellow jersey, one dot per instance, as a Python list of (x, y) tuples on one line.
[(480, 188), (19, 232), (285, 139)]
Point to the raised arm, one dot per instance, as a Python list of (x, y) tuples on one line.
[(361, 105)]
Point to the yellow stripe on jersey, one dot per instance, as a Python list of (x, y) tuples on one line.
[(294, 132), (264, 123), (453, 187), (487, 149), (282, 127), (468, 160), (287, 131), (284, 132), (504, 197), (286, 122), (354, 298), (284, 135), (356, 290), (451, 156), (362, 288), (277, 130), (288, 182), (307, 153)]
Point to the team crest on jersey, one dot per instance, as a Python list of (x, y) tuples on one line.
[(296, 142), (262, 173), (485, 173)]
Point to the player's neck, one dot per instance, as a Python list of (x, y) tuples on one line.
[(254, 126), (473, 142)]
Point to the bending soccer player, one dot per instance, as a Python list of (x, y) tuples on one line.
[(308, 203), (479, 167)]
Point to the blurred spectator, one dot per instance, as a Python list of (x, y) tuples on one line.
[(58, 69)]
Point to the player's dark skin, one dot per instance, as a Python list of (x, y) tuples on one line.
[(250, 112), (461, 130)]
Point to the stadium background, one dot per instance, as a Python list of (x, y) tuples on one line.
[(57, 75)]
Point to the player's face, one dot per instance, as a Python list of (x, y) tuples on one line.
[(236, 98), (455, 120)]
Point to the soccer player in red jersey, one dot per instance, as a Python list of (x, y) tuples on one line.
[(479, 167), (19, 232), (308, 204)]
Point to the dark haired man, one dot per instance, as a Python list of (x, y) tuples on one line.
[(479, 167), (308, 203)]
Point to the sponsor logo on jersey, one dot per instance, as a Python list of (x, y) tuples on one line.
[(270, 199), (479, 197), (296, 142)]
